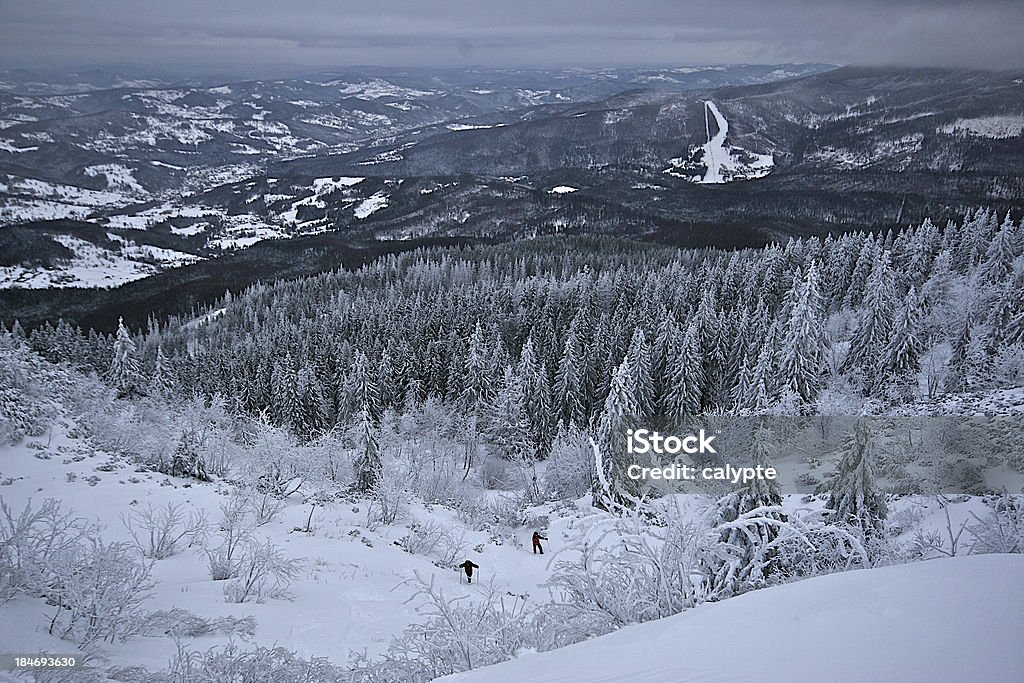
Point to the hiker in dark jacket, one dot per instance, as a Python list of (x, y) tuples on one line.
[(468, 567), (537, 538)]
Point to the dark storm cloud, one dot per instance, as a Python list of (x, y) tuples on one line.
[(239, 33)]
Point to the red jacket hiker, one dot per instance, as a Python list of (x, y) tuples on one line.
[(537, 538), (468, 566)]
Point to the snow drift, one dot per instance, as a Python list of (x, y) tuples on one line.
[(959, 619)]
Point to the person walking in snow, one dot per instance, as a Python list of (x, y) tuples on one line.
[(537, 538), (468, 567)]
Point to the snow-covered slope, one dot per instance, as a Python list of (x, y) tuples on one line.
[(958, 619), (353, 593), (720, 161)]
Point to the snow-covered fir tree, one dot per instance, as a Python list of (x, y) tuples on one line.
[(854, 496), (805, 343), (124, 370)]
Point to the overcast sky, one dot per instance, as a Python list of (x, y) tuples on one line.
[(250, 34)]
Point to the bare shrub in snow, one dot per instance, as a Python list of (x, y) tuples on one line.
[(235, 536), (181, 623), (435, 539), (388, 500), (459, 635), (98, 590), (1001, 530), (30, 539), (158, 532), (263, 572), (230, 663), (265, 506)]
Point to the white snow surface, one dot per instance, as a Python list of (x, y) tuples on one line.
[(993, 127), (96, 267), (959, 619), (370, 205), (119, 177)]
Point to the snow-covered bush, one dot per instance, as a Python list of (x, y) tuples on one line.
[(644, 560), (441, 483), (230, 663), (159, 532), (637, 564), (459, 634), (389, 500), (570, 468), (500, 514), (235, 536), (27, 401), (263, 572), (1008, 367), (28, 541), (495, 472), (1001, 530), (435, 539), (181, 623), (98, 589), (275, 462)]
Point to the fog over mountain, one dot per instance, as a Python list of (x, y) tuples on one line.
[(255, 36)]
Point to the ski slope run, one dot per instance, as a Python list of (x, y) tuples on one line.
[(716, 161), (959, 619)]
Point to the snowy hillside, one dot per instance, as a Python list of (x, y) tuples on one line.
[(355, 584), (944, 620)]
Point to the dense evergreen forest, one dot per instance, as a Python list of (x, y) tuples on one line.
[(532, 334)]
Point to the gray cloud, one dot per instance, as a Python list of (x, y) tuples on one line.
[(256, 33)]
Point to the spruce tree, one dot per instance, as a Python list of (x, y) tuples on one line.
[(901, 356), (569, 383), (805, 343), (508, 423), (853, 496), (533, 380), (998, 262), (367, 464), (685, 378), (618, 416), (476, 373), (640, 369), (123, 372), (876, 321), (162, 380)]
